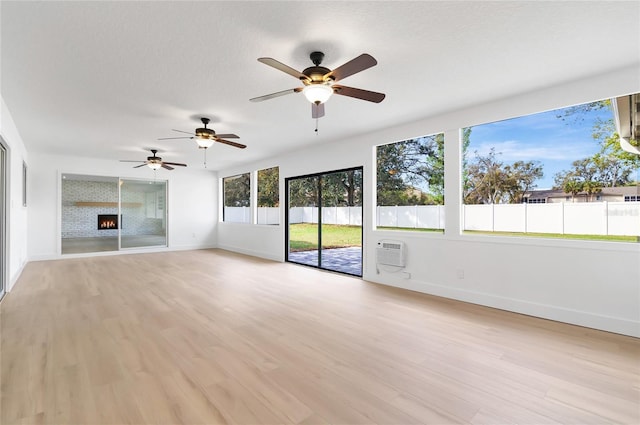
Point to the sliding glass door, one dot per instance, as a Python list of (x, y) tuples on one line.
[(324, 220), (3, 218), (303, 226), (108, 214), (143, 218)]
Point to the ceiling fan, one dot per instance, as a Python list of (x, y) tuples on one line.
[(154, 162), (205, 137), (319, 81)]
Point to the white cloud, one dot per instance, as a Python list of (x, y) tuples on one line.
[(513, 150)]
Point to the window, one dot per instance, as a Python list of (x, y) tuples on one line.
[(571, 156), (410, 184), (268, 196), (631, 198), (237, 198)]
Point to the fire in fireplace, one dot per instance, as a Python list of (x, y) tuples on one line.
[(107, 221)]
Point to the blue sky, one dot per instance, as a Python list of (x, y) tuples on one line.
[(543, 137)]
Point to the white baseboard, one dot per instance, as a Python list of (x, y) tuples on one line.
[(13, 279), (48, 257), (253, 253), (544, 311)]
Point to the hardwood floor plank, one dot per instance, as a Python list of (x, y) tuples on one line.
[(214, 337)]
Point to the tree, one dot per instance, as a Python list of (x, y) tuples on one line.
[(237, 191), (521, 177), (486, 179), (403, 168), (303, 192), (343, 188), (268, 187), (489, 181), (611, 166), (591, 187), (572, 186), (466, 140)]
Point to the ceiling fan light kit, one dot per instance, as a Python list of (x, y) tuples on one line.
[(318, 81), (204, 143), (317, 93), (205, 137), (155, 162)]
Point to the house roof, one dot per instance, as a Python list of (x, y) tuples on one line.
[(107, 79)]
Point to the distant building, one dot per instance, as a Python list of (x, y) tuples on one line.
[(609, 194)]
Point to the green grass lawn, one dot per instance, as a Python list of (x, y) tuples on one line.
[(304, 236), (410, 229), (612, 238)]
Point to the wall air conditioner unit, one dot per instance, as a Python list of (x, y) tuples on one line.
[(390, 253)]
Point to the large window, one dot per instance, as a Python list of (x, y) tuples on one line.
[(561, 173), (268, 196), (237, 198), (410, 184)]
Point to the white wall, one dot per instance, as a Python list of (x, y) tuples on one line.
[(594, 284), (17, 214), (192, 201)]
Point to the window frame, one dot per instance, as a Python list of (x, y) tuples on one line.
[(224, 198), (440, 212)]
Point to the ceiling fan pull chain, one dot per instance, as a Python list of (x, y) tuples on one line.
[(205, 158), (316, 130)]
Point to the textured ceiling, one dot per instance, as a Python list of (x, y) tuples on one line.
[(107, 79)]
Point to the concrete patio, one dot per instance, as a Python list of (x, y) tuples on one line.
[(344, 260)]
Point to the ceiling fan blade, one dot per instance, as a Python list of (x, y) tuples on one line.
[(362, 62), (164, 165), (276, 94), (180, 131), (234, 144), (170, 138), (317, 111), (284, 68), (371, 96), (141, 165), (175, 163), (228, 136)]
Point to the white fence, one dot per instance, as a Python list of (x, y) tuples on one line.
[(584, 218), (417, 216), (266, 215)]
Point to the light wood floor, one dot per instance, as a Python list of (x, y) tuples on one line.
[(215, 337)]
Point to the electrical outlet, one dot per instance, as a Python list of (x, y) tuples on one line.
[(460, 273)]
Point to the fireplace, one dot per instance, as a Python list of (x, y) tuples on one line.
[(107, 221)]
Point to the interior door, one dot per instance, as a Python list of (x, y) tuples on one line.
[(324, 220)]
